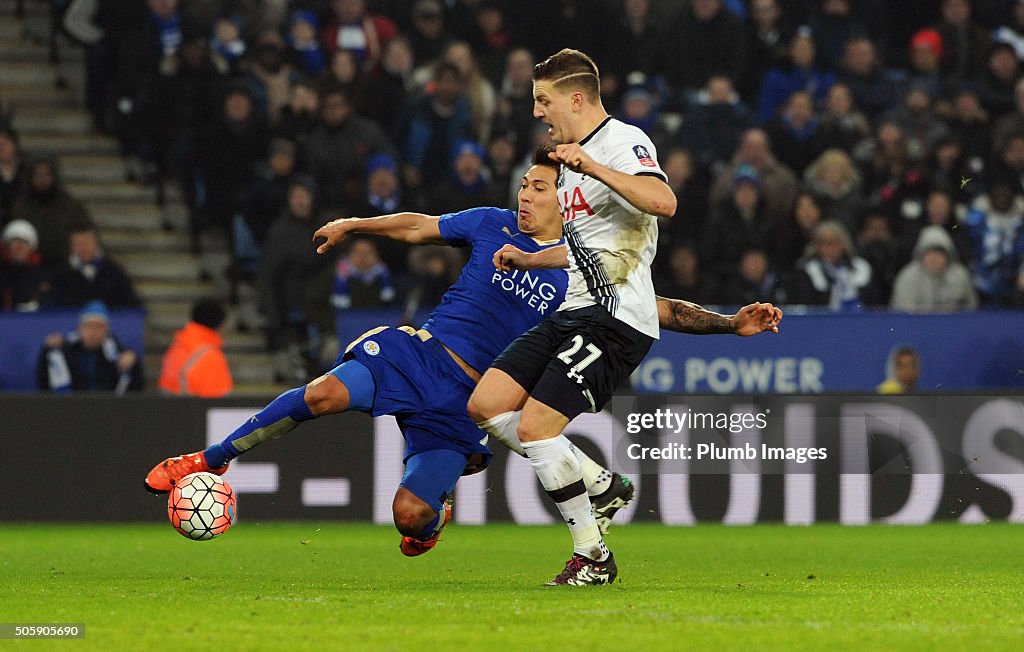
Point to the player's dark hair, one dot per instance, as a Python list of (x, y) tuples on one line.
[(540, 157), (570, 69), (209, 313)]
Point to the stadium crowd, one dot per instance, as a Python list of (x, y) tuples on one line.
[(839, 153)]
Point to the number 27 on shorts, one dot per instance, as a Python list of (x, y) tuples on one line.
[(593, 353)]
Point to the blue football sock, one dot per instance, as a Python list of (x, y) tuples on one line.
[(428, 531), (283, 414)]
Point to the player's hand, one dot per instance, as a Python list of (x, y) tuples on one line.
[(126, 361), (573, 157), (509, 258), (334, 232), (54, 341), (756, 318)]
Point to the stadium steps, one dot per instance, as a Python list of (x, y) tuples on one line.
[(35, 96), (160, 266), (7, 8), (26, 72), (143, 216), (129, 240), (260, 390), (158, 336), (252, 368), (151, 241), (29, 51), (63, 144), (246, 369), (11, 28), (87, 168), (120, 190), (50, 120)]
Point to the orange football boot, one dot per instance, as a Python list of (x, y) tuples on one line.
[(413, 547), (166, 474)]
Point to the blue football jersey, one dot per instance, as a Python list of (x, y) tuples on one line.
[(486, 309)]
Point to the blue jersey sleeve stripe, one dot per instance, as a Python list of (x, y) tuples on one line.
[(461, 228)]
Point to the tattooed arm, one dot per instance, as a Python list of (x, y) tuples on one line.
[(685, 317)]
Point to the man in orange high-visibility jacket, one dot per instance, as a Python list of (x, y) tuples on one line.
[(195, 365)]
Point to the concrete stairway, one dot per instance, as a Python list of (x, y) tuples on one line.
[(149, 240)]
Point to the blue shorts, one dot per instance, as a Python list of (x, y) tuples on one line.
[(425, 389)]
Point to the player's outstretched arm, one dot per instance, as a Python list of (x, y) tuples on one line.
[(685, 317), (413, 228), (648, 194), (509, 258)]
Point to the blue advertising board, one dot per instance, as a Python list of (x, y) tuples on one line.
[(833, 352), (22, 335), (815, 352)]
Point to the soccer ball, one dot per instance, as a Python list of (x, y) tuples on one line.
[(202, 506)]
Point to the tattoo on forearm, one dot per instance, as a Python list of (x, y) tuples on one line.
[(690, 318)]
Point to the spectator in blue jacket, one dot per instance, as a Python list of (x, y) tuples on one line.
[(874, 88), (303, 46), (361, 279), (466, 185), (800, 75), (713, 128), (439, 120), (996, 228), (796, 133), (832, 26)]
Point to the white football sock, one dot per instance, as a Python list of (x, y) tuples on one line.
[(596, 477), (560, 474), (505, 428)]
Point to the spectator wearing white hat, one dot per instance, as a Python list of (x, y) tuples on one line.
[(22, 279)]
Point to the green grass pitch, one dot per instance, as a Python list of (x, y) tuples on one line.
[(324, 586)]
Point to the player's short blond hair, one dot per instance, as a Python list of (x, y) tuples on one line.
[(570, 69)]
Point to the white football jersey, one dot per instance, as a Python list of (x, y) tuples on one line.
[(611, 243)]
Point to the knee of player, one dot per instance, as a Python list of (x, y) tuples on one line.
[(481, 407), (476, 410), (411, 518), (320, 399), (528, 431)]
